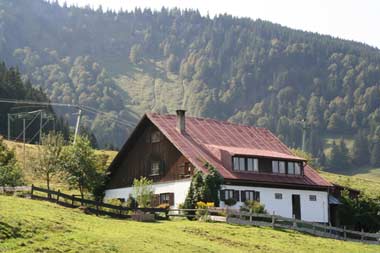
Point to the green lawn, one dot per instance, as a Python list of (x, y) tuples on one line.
[(36, 226)]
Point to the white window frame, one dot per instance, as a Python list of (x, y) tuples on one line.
[(252, 164)]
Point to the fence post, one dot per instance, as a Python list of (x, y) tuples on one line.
[(294, 221), (314, 230), (344, 233), (250, 215), (273, 220), (97, 208), (362, 235), (72, 200), (58, 193), (31, 191)]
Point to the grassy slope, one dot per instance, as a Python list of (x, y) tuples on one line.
[(31, 151), (35, 226)]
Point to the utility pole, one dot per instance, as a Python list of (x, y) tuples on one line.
[(77, 125), (23, 138), (9, 127), (304, 128), (40, 127)]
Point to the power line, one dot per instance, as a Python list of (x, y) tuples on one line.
[(83, 107)]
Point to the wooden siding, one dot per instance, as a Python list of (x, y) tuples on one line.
[(142, 152)]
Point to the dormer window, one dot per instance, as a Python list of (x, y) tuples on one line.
[(278, 167), (245, 164), (294, 168)]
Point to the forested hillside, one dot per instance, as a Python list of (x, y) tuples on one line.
[(237, 69)]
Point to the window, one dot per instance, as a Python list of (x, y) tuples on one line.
[(297, 168), (155, 169), (156, 137), (239, 163), (252, 164), (313, 197), (250, 195), (278, 195), (229, 194), (294, 168), (290, 168), (164, 198), (278, 167)]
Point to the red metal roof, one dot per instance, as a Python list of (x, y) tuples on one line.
[(208, 140)]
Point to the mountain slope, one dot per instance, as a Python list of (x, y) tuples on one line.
[(251, 72)]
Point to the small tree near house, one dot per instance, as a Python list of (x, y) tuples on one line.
[(48, 162), (80, 165), (204, 188), (143, 191)]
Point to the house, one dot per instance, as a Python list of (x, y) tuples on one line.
[(254, 163)]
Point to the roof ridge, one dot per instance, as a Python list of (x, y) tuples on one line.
[(209, 119)]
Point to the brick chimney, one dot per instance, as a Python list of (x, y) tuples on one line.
[(181, 125)]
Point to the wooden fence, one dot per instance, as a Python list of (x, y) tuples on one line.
[(274, 221), (12, 190), (91, 206), (231, 216)]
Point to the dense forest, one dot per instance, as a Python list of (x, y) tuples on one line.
[(246, 71)]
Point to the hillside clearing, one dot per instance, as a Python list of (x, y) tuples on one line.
[(35, 226)]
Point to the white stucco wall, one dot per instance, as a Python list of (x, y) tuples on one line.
[(179, 188), (316, 211)]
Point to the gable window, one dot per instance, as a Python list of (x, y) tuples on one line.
[(155, 168), (250, 195), (278, 167), (294, 168), (278, 195), (313, 197), (155, 137)]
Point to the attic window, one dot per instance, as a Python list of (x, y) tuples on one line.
[(278, 167), (294, 168), (245, 164), (155, 168), (155, 137)]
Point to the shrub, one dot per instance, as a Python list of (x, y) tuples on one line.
[(230, 202), (143, 191), (163, 206), (131, 202), (253, 206), (202, 210)]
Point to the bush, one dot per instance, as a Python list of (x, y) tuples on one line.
[(131, 202), (202, 210), (11, 176), (163, 206), (253, 206), (230, 202)]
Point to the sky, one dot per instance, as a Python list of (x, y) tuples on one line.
[(357, 20)]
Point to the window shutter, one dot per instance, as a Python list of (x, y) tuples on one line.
[(162, 167), (236, 195), (257, 196), (171, 198), (242, 196), (155, 200), (222, 195)]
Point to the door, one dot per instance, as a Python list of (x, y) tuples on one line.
[(296, 206)]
